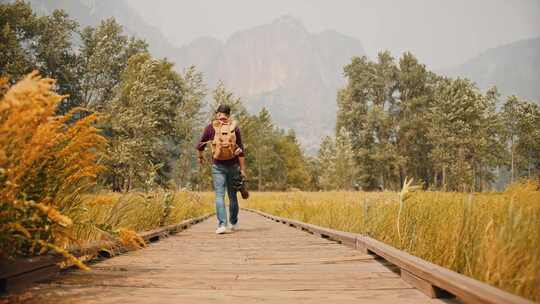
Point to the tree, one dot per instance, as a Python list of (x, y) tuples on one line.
[(415, 87), (353, 109), (289, 150), (521, 121), (464, 133), (336, 161), (150, 119), (265, 164), (367, 109), (346, 171), (29, 42), (104, 54), (326, 164), (20, 28), (56, 57), (404, 120)]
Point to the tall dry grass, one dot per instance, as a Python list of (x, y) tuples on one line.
[(492, 237), (46, 162), (110, 215)]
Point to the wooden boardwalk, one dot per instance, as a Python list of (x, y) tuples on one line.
[(264, 262)]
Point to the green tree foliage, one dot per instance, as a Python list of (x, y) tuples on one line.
[(464, 135), (416, 89), (404, 120), (87, 74), (147, 111), (368, 110), (150, 119), (20, 28), (295, 163), (29, 42), (104, 54), (337, 167), (266, 165), (521, 121)]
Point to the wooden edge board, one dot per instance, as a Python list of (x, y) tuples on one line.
[(13, 273), (419, 272)]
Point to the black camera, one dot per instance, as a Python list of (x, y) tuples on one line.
[(239, 184)]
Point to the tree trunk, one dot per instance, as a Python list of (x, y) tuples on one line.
[(529, 168), (401, 176), (512, 160), (444, 178), (473, 184), (259, 179)]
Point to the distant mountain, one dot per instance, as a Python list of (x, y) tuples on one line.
[(91, 12), (281, 66), (513, 68)]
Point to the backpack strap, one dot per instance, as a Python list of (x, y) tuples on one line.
[(233, 125), (216, 124)]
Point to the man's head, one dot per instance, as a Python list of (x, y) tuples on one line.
[(223, 112)]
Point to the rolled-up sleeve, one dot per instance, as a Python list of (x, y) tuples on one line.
[(205, 138), (239, 141)]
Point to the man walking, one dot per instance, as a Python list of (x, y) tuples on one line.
[(228, 163)]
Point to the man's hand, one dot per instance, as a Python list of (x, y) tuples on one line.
[(242, 163), (238, 151)]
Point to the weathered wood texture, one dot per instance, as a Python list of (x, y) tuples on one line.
[(433, 280), (262, 262), (19, 273)]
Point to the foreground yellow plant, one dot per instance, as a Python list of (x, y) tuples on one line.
[(492, 237), (46, 162)]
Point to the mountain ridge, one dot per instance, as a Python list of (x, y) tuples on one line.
[(283, 67), (513, 68)]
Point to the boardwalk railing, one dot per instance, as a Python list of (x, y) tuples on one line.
[(433, 280), (19, 273)]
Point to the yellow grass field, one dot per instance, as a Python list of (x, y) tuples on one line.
[(492, 237)]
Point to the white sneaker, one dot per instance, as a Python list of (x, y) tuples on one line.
[(235, 227), (221, 230)]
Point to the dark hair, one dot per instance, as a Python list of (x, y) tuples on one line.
[(225, 109)]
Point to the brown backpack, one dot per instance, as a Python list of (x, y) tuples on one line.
[(224, 142)]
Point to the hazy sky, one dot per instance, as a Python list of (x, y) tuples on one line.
[(441, 33)]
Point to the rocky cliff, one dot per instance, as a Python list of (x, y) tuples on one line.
[(283, 67)]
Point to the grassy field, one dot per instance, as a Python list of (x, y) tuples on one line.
[(493, 237), (112, 215)]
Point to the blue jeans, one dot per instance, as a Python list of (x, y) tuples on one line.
[(222, 176)]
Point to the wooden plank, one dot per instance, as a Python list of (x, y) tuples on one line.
[(465, 288), (14, 273), (151, 294), (264, 261), (21, 281), (9, 268), (420, 284)]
